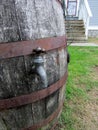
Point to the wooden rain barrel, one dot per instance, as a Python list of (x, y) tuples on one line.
[(32, 81)]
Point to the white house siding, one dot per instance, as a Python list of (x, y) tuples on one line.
[(93, 23), (94, 8)]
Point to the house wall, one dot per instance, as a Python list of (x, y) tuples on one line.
[(94, 8), (93, 31), (93, 23)]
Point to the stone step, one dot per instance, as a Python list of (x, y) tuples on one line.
[(75, 35), (76, 41), (74, 21), (75, 31), (75, 24), (75, 27), (76, 38), (73, 40)]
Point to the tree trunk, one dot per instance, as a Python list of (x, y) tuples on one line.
[(22, 20)]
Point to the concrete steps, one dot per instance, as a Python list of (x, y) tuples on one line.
[(75, 31)]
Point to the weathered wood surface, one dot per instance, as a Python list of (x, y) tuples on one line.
[(23, 20)]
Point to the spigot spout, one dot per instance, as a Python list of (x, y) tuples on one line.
[(39, 68)]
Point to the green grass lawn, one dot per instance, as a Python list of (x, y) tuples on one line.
[(80, 111)]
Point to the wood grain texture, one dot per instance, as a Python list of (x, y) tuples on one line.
[(25, 20)]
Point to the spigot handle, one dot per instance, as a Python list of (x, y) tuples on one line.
[(39, 50)]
